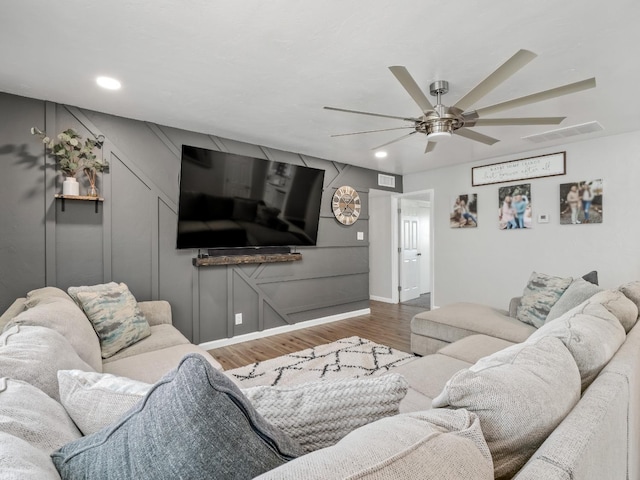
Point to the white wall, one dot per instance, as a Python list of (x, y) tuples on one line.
[(490, 266), (381, 263)]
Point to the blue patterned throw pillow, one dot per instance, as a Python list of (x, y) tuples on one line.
[(540, 294), (194, 423), (115, 316)]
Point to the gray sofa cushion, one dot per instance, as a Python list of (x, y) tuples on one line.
[(432, 445), (520, 394), (35, 354), (540, 294), (52, 308), (195, 423), (590, 332), (319, 414), (576, 293)]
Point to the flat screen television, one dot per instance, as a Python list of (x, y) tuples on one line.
[(234, 201)]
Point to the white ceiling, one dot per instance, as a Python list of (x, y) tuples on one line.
[(260, 71)]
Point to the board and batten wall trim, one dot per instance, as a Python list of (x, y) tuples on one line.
[(132, 238)]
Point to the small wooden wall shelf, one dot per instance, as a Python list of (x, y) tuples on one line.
[(244, 259), (84, 198)]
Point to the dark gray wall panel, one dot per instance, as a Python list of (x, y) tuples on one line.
[(328, 312), (78, 244), (138, 142), (272, 319), (22, 187), (246, 302), (175, 271), (131, 217), (213, 293)]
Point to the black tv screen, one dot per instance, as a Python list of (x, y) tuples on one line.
[(231, 201)]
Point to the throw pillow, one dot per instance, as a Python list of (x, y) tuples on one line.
[(30, 414), (319, 414), (576, 293), (194, 423), (102, 287), (624, 309), (116, 318), (521, 394), (433, 444), (52, 308), (591, 277), (35, 354), (540, 294), (96, 400), (590, 332)]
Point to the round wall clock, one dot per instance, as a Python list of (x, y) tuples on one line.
[(346, 205)]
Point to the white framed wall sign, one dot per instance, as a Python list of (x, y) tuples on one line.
[(548, 165)]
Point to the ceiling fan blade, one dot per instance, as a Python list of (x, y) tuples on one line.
[(408, 119), (412, 88), (394, 141), (504, 71), (498, 122), (369, 131), (538, 97), (478, 137), (430, 147)]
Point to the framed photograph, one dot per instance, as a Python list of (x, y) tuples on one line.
[(581, 202), (523, 169), (464, 211), (514, 207)]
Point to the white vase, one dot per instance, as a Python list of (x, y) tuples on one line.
[(70, 186)]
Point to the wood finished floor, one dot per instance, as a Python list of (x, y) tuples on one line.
[(387, 324)]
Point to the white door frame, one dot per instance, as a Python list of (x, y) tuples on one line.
[(395, 225)]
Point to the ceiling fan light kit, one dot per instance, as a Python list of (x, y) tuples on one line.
[(439, 121)]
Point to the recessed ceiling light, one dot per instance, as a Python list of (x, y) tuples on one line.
[(108, 83), (381, 154)]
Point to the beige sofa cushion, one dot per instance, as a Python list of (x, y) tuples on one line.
[(35, 354), (590, 332), (631, 290), (422, 445), (624, 309), (520, 394), (576, 293), (428, 375), (51, 307), (30, 414), (150, 367), (474, 347), (459, 320), (19, 460), (162, 336)]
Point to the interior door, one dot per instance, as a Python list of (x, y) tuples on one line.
[(409, 257)]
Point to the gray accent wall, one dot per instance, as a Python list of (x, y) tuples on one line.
[(132, 237)]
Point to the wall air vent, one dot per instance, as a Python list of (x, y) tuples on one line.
[(386, 180), (561, 133)]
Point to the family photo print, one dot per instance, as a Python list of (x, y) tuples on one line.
[(514, 207), (464, 211), (581, 202)]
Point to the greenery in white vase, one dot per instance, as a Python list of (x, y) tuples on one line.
[(72, 153)]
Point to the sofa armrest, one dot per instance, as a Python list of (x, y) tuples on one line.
[(157, 312), (513, 306)]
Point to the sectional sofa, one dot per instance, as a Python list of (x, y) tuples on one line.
[(562, 404)]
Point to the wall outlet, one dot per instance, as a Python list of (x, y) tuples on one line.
[(360, 235), (238, 319)]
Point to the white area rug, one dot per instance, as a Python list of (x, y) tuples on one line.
[(346, 358)]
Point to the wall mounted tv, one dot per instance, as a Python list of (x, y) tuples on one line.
[(234, 201)]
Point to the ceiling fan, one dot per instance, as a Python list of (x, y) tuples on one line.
[(438, 121)]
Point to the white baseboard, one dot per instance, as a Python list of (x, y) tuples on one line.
[(381, 299), (284, 329)]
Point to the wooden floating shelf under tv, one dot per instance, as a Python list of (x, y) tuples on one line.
[(245, 259)]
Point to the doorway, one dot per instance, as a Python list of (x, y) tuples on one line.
[(386, 241)]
